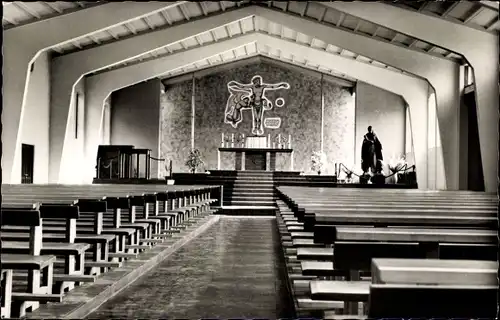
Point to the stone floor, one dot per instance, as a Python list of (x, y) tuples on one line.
[(233, 270)]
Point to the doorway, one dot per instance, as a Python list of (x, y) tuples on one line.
[(27, 163)]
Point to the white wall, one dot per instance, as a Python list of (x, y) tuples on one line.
[(385, 112), (479, 47), (35, 130), (106, 122), (135, 111), (74, 139)]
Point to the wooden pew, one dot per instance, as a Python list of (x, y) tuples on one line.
[(84, 195), (422, 288), (94, 235), (324, 253), (83, 190), (6, 292), (298, 283), (131, 209), (39, 267), (192, 204), (71, 252)]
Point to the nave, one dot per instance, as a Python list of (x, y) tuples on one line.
[(348, 253), (360, 137), (233, 270)]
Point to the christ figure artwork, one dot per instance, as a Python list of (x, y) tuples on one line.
[(250, 96)]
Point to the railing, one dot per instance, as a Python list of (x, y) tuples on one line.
[(350, 172)]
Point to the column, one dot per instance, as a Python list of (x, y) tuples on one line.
[(218, 159)]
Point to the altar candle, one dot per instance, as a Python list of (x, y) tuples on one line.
[(222, 137), (279, 138), (289, 141), (269, 140), (232, 137), (243, 140)]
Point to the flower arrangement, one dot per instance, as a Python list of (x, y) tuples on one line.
[(348, 174), (396, 166), (318, 160), (194, 160)]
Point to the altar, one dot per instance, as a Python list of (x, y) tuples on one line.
[(255, 153)]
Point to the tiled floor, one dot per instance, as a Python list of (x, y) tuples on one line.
[(231, 271)]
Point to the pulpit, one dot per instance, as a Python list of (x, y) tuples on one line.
[(112, 161), (122, 162)]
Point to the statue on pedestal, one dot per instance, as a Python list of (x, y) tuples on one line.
[(371, 152)]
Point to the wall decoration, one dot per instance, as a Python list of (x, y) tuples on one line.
[(280, 102), (250, 96), (272, 123)]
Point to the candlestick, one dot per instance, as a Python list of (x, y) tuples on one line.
[(222, 142), (289, 141), (269, 140)]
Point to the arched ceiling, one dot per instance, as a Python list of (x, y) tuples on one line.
[(482, 15)]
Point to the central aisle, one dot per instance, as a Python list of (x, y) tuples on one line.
[(234, 270)]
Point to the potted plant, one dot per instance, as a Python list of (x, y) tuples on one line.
[(168, 172), (318, 160), (194, 160), (396, 166), (348, 175)]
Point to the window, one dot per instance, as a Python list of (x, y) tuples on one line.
[(77, 100), (469, 75)]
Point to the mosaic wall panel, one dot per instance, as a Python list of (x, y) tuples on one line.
[(300, 117)]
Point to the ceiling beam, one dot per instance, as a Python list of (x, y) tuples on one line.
[(203, 7), (450, 8), (423, 6), (25, 8), (53, 7), (184, 12), (341, 19), (322, 16), (10, 20), (493, 5), (305, 9), (166, 16), (474, 14), (493, 25)]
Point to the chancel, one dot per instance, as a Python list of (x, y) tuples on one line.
[(250, 159)]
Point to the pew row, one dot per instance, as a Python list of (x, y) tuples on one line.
[(188, 203), (334, 247)]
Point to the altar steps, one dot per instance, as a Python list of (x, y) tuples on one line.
[(248, 189), (265, 203), (250, 193), (253, 197)]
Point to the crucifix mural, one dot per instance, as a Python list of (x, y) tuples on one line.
[(250, 96)]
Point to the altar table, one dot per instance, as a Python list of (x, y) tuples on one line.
[(255, 158)]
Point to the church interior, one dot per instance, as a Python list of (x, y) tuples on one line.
[(250, 159)]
